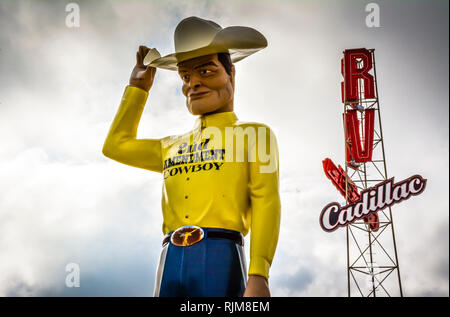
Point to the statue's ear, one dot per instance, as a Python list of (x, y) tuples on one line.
[(233, 74)]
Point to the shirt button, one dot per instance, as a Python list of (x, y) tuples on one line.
[(186, 216), (186, 196), (187, 178)]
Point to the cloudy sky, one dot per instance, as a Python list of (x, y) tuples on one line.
[(63, 202)]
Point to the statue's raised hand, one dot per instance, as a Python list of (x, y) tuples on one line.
[(142, 76)]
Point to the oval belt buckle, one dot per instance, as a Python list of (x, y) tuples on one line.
[(186, 236)]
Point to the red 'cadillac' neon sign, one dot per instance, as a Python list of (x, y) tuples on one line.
[(372, 200)]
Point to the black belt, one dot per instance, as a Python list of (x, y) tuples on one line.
[(210, 233)]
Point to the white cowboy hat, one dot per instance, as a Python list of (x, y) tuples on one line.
[(196, 37)]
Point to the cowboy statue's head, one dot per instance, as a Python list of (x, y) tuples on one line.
[(208, 83), (204, 57)]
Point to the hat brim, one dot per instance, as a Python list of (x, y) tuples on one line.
[(239, 41)]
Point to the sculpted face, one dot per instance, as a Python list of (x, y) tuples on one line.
[(207, 86)]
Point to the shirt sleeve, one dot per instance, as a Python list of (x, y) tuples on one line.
[(265, 202), (121, 144)]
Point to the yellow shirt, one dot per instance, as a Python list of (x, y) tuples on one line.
[(210, 178)]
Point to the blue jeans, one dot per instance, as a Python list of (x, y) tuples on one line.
[(213, 267)]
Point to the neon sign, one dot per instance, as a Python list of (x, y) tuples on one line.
[(372, 200)]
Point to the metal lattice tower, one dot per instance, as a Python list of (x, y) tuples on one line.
[(372, 261)]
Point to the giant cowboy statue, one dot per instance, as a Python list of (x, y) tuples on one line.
[(221, 179)]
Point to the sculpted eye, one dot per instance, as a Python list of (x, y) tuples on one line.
[(185, 77), (205, 71)]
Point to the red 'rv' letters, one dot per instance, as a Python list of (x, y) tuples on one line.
[(351, 73), (355, 151)]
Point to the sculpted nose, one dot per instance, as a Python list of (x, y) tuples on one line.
[(194, 82)]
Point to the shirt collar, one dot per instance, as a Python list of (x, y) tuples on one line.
[(220, 119)]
